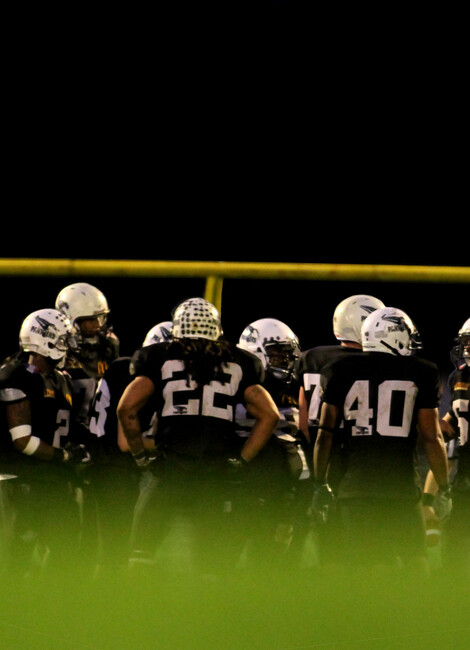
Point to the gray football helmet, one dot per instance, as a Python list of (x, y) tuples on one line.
[(460, 353), (349, 315), (158, 333), (390, 330), (274, 343), (83, 300), (47, 332)]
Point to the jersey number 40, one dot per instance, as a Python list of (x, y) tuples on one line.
[(394, 412)]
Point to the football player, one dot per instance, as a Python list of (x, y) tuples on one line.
[(348, 318), (314, 366), (387, 399), (456, 528), (194, 383), (281, 462), (37, 399), (115, 475), (87, 309)]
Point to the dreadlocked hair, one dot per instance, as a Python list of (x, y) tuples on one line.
[(203, 359)]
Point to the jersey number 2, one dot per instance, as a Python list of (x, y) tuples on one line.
[(195, 405)]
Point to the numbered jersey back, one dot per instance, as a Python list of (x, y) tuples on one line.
[(196, 419), (314, 368), (379, 397)]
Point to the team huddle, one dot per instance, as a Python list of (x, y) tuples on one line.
[(259, 444)]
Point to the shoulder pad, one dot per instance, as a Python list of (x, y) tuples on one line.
[(9, 366), (11, 395)]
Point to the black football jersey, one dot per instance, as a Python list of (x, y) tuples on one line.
[(195, 420), (84, 388), (459, 385), (379, 396), (95, 357), (103, 417), (51, 407), (314, 366), (85, 369)]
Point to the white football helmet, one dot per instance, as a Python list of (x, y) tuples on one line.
[(274, 343), (196, 318), (390, 330), (158, 333), (82, 300), (461, 352), (349, 315), (47, 332)]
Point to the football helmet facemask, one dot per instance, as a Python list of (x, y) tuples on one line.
[(460, 353), (158, 333), (83, 301), (349, 315), (275, 344), (49, 333), (390, 330), (196, 318)]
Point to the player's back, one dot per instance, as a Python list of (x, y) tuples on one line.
[(314, 367), (196, 418), (379, 396)]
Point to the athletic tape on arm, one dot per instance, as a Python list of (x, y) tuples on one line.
[(21, 431), (32, 445)]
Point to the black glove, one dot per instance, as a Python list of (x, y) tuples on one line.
[(76, 455), (322, 500)]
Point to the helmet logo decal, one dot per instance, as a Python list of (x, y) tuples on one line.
[(252, 335), (398, 320), (166, 333), (368, 308), (43, 328), (62, 305)]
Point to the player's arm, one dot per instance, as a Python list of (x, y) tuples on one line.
[(447, 424), (261, 406), (132, 401), (430, 435), (322, 449), (430, 485), (19, 424), (148, 440), (447, 427), (303, 414)]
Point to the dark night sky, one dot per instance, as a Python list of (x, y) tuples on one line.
[(250, 147)]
